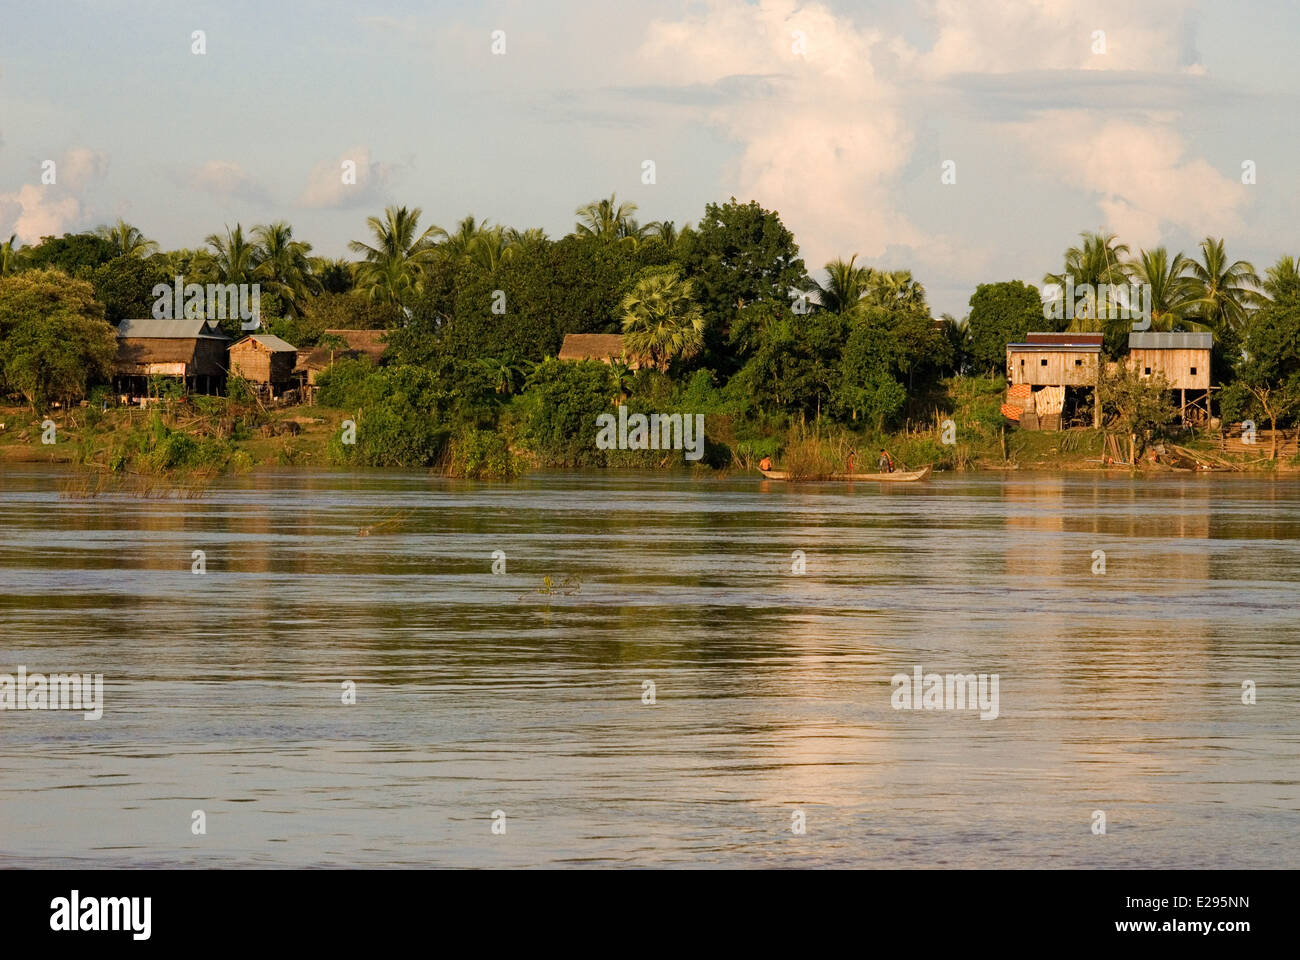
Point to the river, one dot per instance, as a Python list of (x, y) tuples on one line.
[(499, 721)]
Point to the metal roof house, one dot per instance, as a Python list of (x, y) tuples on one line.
[(1047, 364), (1184, 360), (192, 349)]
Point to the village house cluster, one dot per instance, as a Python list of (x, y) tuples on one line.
[(198, 353)]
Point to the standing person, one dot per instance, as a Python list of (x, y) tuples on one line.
[(886, 463)]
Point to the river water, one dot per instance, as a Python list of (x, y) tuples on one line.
[(501, 722)]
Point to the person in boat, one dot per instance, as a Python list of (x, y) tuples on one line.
[(886, 462), (765, 463)]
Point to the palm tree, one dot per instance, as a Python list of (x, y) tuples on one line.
[(846, 284), (490, 249), (12, 258), (666, 232), (126, 240), (1283, 278), (393, 267), (1226, 290), (1173, 292), (233, 259), (895, 288), (661, 322), (530, 239), (1098, 261), (283, 266), (606, 220), (460, 242)]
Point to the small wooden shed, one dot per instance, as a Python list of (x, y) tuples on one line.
[(264, 359), (605, 347)]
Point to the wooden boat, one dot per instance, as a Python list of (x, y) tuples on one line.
[(898, 476)]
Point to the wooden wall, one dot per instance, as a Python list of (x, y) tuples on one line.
[(1176, 365), (1061, 368)]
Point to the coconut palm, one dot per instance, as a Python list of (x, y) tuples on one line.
[(1226, 291), (531, 239), (490, 249), (283, 267), (1283, 278), (12, 258), (661, 322), (665, 232), (126, 240), (233, 259), (846, 284), (1173, 291), (460, 241), (1100, 260), (393, 266), (606, 219)]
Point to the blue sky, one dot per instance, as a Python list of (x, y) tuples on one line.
[(838, 115)]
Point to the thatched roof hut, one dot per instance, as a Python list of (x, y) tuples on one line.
[(358, 343), (605, 347)]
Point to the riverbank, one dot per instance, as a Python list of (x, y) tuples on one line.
[(215, 436)]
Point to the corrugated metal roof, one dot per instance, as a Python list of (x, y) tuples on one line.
[(1170, 341), (1086, 339), (1056, 347), (150, 328), (271, 342)]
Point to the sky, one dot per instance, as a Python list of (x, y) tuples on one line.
[(1052, 117)]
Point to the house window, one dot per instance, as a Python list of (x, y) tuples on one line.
[(1147, 371), (1022, 363), (1042, 362), (1193, 371), (1078, 363)]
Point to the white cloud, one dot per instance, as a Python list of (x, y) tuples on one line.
[(38, 210), (326, 186), (1143, 180), (227, 179), (825, 136)]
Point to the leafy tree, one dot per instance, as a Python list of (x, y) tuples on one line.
[(556, 414), (54, 340), (125, 286), (739, 254), (333, 276), (1268, 374), (76, 254), (1000, 313), (661, 322), (1283, 279), (1134, 404)]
